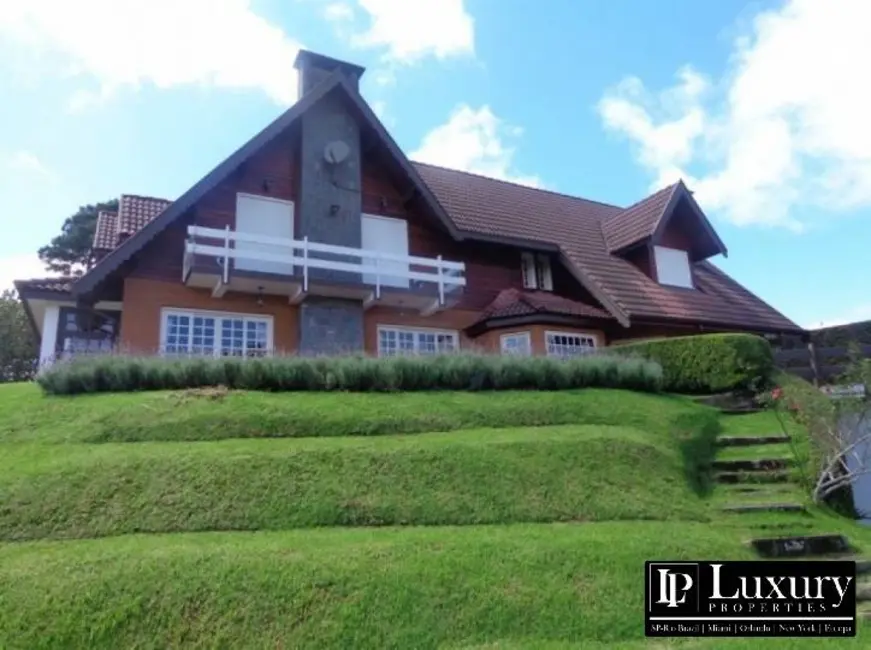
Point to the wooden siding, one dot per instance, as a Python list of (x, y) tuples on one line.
[(274, 172)]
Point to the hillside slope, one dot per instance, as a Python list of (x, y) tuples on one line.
[(509, 520)]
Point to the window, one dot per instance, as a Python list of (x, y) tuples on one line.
[(673, 267), (516, 344), (86, 332), (536, 272), (210, 334), (566, 345), (395, 341)]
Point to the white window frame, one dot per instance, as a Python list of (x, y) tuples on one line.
[(550, 345), (218, 316), (415, 332), (523, 350), (536, 271), (675, 263)]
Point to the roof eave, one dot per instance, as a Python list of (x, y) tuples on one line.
[(679, 192)]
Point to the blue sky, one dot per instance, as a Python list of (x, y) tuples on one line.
[(759, 106)]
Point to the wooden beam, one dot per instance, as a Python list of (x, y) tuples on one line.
[(369, 301), (220, 289), (296, 296), (431, 308)]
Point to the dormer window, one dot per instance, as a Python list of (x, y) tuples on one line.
[(673, 267), (536, 272)]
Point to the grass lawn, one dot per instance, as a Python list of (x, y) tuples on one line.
[(192, 529), (26, 415), (523, 586), (479, 476)]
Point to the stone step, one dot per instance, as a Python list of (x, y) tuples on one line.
[(753, 477), (752, 489), (801, 545), (764, 507), (749, 441), (740, 410), (754, 465)]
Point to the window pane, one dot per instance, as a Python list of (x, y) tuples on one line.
[(387, 343), (516, 344), (569, 345), (232, 337), (255, 338)]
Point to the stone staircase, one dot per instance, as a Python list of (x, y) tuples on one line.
[(821, 547), (755, 474)]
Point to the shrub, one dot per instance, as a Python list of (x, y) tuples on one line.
[(708, 363), (361, 374)]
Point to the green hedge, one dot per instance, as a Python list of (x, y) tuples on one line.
[(708, 363), (447, 372)]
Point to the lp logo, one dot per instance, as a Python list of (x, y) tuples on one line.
[(669, 589)]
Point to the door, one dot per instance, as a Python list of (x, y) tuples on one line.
[(386, 235), (265, 217)]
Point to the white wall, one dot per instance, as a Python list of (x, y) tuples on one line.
[(49, 335)]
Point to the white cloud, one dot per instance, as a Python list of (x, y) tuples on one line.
[(413, 30), (168, 43), (339, 11), (474, 141), (857, 314), (21, 267), (28, 163), (786, 130)]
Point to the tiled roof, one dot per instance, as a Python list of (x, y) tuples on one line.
[(106, 232), (133, 213), (585, 232), (513, 302), (637, 221), (485, 206), (56, 285), (136, 211)]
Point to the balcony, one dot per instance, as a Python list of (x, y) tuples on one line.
[(227, 260)]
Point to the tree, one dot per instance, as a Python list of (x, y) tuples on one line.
[(69, 252), (18, 346), (838, 449)]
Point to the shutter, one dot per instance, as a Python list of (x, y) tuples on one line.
[(545, 280), (527, 261)]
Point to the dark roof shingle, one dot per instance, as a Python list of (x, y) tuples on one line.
[(514, 302), (638, 221), (486, 206)]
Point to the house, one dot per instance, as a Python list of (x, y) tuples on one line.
[(319, 236)]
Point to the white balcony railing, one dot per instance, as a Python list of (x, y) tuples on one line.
[(380, 267)]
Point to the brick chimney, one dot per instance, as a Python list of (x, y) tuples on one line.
[(314, 68)]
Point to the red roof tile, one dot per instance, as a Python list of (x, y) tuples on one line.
[(136, 211), (585, 232), (485, 206), (513, 302), (106, 231), (638, 221)]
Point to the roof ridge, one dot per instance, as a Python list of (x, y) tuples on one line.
[(146, 197), (649, 196), (516, 184)]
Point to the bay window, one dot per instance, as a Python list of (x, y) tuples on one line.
[(516, 343), (566, 345)]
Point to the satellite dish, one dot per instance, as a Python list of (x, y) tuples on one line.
[(336, 152)]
